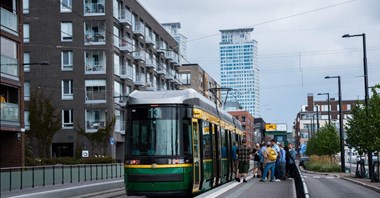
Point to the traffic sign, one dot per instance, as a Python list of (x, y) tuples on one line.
[(85, 153)]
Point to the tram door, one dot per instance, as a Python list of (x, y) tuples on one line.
[(196, 156)]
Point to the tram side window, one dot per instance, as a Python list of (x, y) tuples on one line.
[(224, 144), (187, 137), (206, 141)]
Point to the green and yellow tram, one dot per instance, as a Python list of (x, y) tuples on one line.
[(178, 143)]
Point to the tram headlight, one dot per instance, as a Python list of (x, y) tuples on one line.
[(176, 161), (133, 161)]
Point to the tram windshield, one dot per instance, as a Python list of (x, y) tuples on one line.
[(155, 132)]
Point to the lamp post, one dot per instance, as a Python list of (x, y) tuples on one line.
[(342, 160), (317, 117), (366, 96), (328, 104)]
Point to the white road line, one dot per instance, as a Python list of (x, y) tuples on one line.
[(225, 189), (62, 189), (316, 177)]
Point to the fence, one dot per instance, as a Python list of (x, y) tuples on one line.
[(24, 177)]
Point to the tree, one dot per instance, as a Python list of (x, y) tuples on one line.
[(363, 128), (100, 137), (44, 119), (325, 142)]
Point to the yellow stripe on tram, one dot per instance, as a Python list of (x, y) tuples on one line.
[(158, 166)]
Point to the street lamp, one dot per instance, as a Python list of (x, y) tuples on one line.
[(366, 96), (328, 104), (342, 162)]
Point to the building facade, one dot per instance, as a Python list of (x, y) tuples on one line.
[(11, 85), (193, 76), (247, 122), (173, 29), (317, 114), (99, 52), (239, 68)]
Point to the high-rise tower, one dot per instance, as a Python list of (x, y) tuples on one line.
[(239, 69)]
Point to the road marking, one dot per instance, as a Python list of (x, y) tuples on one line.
[(225, 189), (316, 177), (63, 189)]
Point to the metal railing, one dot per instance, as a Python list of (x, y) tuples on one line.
[(30, 177)]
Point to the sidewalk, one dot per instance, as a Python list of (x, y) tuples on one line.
[(234, 189), (349, 177)]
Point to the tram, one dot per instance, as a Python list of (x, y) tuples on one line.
[(178, 143)]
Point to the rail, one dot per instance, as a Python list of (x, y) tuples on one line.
[(24, 177)]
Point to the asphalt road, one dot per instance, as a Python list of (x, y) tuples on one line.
[(334, 187)]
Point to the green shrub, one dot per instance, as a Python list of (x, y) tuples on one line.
[(321, 165)]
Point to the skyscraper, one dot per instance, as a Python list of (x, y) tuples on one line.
[(239, 69)]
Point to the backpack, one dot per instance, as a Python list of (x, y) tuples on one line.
[(272, 156)]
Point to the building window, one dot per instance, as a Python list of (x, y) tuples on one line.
[(26, 33), (95, 119), (9, 63), (66, 31), (67, 60), (67, 119), (26, 91), (25, 6), (67, 90), (26, 61), (243, 118), (95, 91), (66, 5), (26, 120), (95, 62), (348, 107), (185, 78)]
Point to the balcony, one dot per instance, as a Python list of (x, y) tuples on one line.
[(169, 76), (139, 80), (169, 55), (9, 21), (9, 113), (150, 62), (149, 40), (139, 30), (161, 70), (125, 17), (125, 45), (139, 55), (120, 126), (91, 9), (93, 126), (126, 72), (94, 38), (9, 66), (95, 68)]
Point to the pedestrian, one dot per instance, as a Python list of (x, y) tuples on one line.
[(270, 156), (282, 174), (235, 160), (277, 164), (292, 159), (256, 160), (262, 159), (243, 157)]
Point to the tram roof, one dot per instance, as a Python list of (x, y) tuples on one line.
[(185, 96)]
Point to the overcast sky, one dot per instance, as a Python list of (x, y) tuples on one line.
[(299, 43)]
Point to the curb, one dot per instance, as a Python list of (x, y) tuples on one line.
[(344, 178), (359, 183)]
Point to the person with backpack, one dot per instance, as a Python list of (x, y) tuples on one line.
[(270, 156)]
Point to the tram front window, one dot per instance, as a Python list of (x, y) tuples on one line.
[(155, 132)]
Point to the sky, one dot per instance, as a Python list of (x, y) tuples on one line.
[(299, 43)]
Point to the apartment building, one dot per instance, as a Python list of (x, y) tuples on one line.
[(99, 51), (193, 76), (247, 122), (11, 85), (318, 113)]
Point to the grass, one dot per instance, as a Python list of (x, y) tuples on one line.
[(322, 164)]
